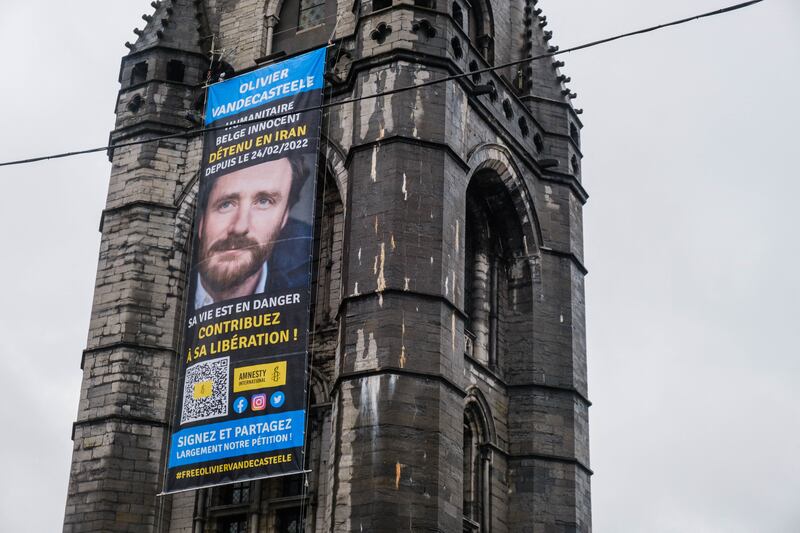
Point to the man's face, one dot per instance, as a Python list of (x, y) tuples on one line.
[(246, 211)]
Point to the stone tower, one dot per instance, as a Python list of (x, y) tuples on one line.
[(448, 378)]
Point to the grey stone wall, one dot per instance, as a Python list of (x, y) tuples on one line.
[(394, 366)]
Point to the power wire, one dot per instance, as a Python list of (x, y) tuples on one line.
[(199, 131)]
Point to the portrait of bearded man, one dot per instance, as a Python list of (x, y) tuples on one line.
[(246, 241)]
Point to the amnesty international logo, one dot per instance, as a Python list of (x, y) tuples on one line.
[(259, 376)]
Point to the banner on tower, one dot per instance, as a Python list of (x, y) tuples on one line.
[(240, 411)]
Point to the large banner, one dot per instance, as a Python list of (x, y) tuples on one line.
[(241, 406)]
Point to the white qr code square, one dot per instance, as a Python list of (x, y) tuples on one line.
[(205, 390)]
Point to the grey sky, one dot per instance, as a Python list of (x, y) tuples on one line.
[(690, 243)]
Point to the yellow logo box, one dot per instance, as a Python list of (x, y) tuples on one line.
[(259, 376), (202, 389)]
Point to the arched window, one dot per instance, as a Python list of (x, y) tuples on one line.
[(497, 275), (302, 25), (479, 28), (477, 471), (483, 252)]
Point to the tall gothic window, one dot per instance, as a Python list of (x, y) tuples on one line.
[(500, 262), (479, 28), (477, 472), (483, 272)]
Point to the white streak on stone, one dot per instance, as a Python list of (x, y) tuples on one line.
[(453, 331), (381, 281), (370, 392), (360, 344), (403, 343), (374, 167)]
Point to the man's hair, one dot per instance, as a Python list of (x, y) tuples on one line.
[(299, 176)]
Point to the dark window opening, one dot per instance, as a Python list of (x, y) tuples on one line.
[(523, 126), (135, 103), (475, 24), (175, 70), (575, 165), (458, 15), (473, 66), (381, 4), (139, 73), (233, 524), (471, 500), (573, 132), (235, 494), (458, 52), (519, 80), (477, 473), (483, 250), (493, 94), (289, 520), (292, 485), (469, 279), (479, 29), (538, 142), (312, 13), (507, 109)]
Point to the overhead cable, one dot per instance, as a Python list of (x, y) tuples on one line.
[(199, 131)]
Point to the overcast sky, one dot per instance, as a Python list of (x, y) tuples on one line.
[(690, 140)]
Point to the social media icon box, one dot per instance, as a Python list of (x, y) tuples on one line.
[(258, 402)]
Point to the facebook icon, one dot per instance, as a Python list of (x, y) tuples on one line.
[(239, 405)]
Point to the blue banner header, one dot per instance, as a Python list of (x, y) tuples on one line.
[(273, 82), (246, 436)]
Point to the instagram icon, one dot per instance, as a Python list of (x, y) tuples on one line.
[(258, 402)]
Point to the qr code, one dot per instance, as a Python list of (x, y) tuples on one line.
[(205, 390)]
